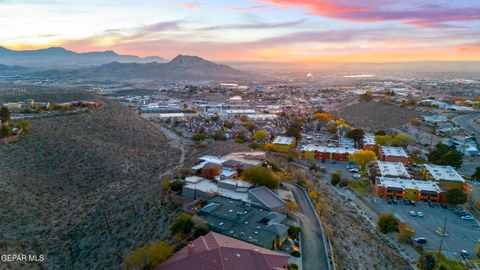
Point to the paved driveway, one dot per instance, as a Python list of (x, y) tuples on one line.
[(313, 250)]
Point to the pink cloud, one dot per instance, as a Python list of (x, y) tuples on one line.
[(408, 12)]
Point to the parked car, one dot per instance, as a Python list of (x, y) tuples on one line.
[(459, 212), (431, 204), (421, 240), (406, 202), (413, 213), (356, 176), (444, 206), (389, 201), (467, 217), (353, 170), (394, 201), (419, 214), (464, 254), (412, 203)]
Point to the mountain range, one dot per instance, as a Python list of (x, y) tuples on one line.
[(60, 58), (181, 69)]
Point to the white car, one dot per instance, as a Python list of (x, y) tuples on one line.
[(353, 170), (413, 213), (356, 176), (420, 214)]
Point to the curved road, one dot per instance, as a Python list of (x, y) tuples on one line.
[(314, 254), (466, 122)]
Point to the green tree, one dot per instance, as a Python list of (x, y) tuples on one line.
[(403, 140), (385, 140), (198, 137), (176, 185), (4, 114), (219, 136), (335, 177), (201, 230), (380, 132), (148, 257), (405, 235), (295, 129), (444, 155), (5, 131), (183, 224), (260, 135), (456, 196), (261, 176), (476, 175), (294, 232), (387, 223), (356, 135)]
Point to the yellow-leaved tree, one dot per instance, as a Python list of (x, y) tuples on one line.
[(362, 158)]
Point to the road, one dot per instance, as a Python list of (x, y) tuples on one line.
[(466, 122), (314, 254)]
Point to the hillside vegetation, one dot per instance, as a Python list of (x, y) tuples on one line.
[(84, 189)]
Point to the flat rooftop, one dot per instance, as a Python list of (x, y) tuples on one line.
[(396, 169), (326, 149), (369, 140), (402, 184), (283, 140), (243, 220), (445, 173), (390, 151)]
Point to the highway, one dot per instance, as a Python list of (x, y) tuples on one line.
[(314, 252)]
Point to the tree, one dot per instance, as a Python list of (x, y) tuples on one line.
[(201, 230), (477, 250), (261, 176), (335, 177), (183, 224), (476, 175), (4, 115), (211, 171), (387, 223), (260, 135), (165, 185), (249, 126), (323, 117), (294, 232), (219, 136), (405, 235), (403, 140), (198, 137), (385, 140), (362, 158), (456, 196), (295, 129), (176, 185), (5, 131), (452, 158), (148, 257), (356, 135), (380, 132), (444, 155)]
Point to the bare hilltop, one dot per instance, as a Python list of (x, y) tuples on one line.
[(84, 189)]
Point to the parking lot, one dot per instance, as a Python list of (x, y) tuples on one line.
[(460, 234)]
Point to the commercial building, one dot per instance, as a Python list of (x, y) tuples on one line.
[(245, 221), (416, 190), (283, 144), (220, 252), (394, 154), (392, 169), (446, 176), (313, 151)]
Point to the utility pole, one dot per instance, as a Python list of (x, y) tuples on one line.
[(443, 237)]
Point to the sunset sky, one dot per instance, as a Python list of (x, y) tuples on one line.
[(298, 31)]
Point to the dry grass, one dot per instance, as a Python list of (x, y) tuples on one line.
[(84, 189), (377, 115)]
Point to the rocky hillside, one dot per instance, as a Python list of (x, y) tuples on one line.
[(84, 189)]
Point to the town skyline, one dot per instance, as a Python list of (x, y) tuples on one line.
[(252, 31)]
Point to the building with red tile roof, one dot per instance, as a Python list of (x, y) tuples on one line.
[(215, 251)]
